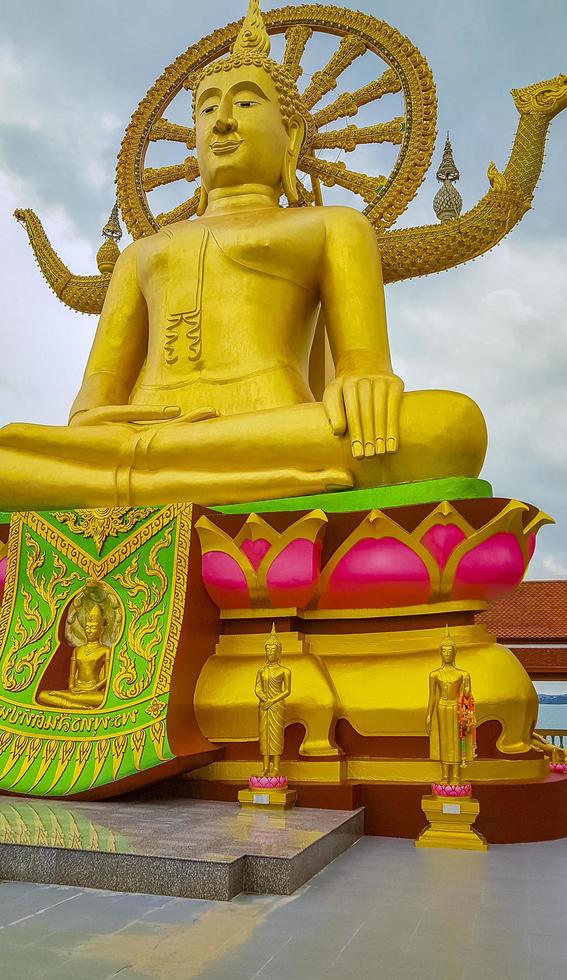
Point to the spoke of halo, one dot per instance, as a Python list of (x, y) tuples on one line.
[(163, 129), (337, 173), (349, 103), (153, 177), (185, 210), (324, 81), (296, 39), (352, 136)]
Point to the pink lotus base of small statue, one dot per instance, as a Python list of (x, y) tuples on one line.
[(452, 791), (267, 782), (558, 766)]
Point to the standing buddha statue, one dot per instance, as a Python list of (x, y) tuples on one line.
[(451, 706), (273, 687)]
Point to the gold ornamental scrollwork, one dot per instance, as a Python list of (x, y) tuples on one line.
[(26, 654), (102, 523), (145, 636)]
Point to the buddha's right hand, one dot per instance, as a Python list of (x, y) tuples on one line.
[(140, 414), (125, 413)]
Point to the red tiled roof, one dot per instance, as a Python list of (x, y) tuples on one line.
[(534, 611)]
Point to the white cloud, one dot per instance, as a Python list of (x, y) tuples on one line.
[(44, 345), (495, 329)]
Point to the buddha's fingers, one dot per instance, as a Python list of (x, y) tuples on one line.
[(125, 413), (334, 406), (366, 406), (199, 415), (350, 394), (380, 390), (395, 392)]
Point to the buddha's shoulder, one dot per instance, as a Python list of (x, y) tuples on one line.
[(344, 219), (328, 217)]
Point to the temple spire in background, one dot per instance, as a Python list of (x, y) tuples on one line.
[(447, 203)]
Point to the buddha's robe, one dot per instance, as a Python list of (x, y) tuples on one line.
[(449, 686), (271, 721)]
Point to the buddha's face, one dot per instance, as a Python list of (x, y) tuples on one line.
[(93, 625), (272, 652), (241, 136), (447, 653)]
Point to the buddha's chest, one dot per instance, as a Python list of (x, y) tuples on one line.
[(449, 685), (89, 661), (271, 679), (209, 287), (208, 256)]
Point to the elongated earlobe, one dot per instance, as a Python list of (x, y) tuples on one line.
[(296, 128), (203, 201)]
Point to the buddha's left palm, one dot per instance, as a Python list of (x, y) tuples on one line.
[(367, 406)]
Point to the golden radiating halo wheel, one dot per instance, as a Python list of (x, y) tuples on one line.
[(405, 71)]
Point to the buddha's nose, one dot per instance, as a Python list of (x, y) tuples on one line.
[(225, 122)]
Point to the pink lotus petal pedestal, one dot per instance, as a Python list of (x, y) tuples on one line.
[(450, 818), (270, 792)]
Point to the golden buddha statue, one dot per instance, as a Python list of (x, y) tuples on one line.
[(273, 686), (449, 686), (197, 387), (89, 669)]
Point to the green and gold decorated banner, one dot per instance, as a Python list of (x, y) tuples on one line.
[(83, 696)]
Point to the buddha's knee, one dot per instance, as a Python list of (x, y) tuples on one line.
[(445, 432), (462, 429)]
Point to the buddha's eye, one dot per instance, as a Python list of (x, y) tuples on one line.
[(246, 103), (208, 109)]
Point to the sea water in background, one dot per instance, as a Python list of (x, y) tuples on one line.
[(552, 704)]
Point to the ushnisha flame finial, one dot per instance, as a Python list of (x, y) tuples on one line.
[(448, 640), (253, 36), (274, 638)]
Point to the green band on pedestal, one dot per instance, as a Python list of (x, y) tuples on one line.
[(344, 501)]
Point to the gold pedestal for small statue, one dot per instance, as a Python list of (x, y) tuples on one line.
[(269, 799), (450, 823)]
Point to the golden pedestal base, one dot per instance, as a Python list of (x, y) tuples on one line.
[(450, 824), (268, 799)]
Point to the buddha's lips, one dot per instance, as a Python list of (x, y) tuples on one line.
[(226, 146)]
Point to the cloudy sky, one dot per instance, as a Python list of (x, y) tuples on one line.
[(71, 75)]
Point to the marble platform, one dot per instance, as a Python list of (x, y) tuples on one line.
[(179, 847)]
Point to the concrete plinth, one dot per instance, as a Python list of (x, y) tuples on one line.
[(180, 847)]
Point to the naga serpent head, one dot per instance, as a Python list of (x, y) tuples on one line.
[(548, 98)]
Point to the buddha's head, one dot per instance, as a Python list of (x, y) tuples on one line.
[(273, 647), (94, 624), (249, 125), (448, 649)]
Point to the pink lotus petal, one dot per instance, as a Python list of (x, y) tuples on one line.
[(268, 782), (292, 576), (377, 573), (225, 581), (491, 569), (441, 540), (452, 790), (255, 551), (530, 546)]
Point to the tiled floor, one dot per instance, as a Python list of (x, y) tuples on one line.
[(382, 909)]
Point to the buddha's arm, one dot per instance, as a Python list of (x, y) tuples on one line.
[(285, 691), (432, 702), (73, 671), (365, 396), (259, 689), (119, 347), (102, 674)]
